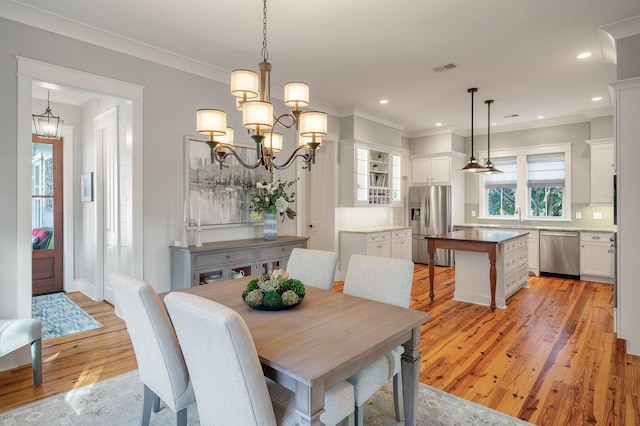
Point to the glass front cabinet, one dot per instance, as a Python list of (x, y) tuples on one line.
[(369, 176)]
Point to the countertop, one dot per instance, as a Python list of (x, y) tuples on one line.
[(539, 227), (480, 235), (375, 229)]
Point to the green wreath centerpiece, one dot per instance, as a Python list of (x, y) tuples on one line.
[(274, 291)]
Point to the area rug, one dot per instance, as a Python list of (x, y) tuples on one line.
[(118, 401), (60, 316)]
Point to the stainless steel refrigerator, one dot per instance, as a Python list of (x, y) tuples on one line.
[(429, 214)]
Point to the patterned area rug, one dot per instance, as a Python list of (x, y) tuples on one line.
[(60, 316), (118, 401)]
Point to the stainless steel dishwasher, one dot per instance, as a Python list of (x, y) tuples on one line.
[(560, 253)]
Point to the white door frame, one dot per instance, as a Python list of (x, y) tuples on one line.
[(29, 70)]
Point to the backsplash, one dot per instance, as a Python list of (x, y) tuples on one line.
[(586, 222)]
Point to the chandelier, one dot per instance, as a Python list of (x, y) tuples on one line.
[(253, 98), (47, 125), (489, 167)]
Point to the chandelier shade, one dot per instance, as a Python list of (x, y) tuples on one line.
[(252, 95), (245, 84), (47, 125), (211, 122)]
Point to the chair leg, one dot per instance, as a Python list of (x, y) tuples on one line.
[(36, 361), (147, 402), (398, 404), (156, 403), (182, 417), (358, 414)]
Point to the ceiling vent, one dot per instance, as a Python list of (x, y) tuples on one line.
[(445, 68), (512, 116)]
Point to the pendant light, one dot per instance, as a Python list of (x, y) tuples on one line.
[(47, 125), (490, 168), (472, 165)]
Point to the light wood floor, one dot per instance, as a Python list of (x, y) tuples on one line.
[(550, 358)]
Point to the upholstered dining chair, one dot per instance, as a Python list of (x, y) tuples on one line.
[(160, 361), (383, 280), (227, 377), (316, 268), (16, 333)]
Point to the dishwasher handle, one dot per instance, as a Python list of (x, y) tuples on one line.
[(559, 234)]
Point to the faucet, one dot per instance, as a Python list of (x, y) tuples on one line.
[(519, 211)]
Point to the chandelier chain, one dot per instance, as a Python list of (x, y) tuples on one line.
[(265, 52)]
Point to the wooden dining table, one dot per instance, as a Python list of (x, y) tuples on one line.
[(325, 340)]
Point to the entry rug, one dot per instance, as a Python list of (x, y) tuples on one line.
[(60, 316), (118, 401)]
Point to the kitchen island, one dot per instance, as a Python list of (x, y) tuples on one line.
[(479, 281)]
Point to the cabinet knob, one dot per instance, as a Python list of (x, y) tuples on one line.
[(311, 226)]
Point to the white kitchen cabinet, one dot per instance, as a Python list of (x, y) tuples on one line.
[(434, 170), (602, 171), (380, 242), (401, 244), (369, 176), (533, 243), (596, 263)]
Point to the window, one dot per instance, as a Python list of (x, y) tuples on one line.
[(545, 184), (536, 181), (501, 188)]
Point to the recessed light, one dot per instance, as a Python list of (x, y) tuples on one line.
[(494, 124), (584, 55), (438, 124), (540, 117), (597, 98), (384, 101)]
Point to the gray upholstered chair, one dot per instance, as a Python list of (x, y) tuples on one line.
[(160, 361), (383, 280), (227, 377), (316, 268), (16, 333)]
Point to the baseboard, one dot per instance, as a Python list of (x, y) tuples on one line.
[(87, 288)]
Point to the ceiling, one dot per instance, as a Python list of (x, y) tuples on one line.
[(522, 54)]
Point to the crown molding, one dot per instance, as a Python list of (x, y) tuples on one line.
[(437, 131), (372, 116)]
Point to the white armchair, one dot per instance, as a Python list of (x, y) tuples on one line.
[(383, 280), (16, 333), (160, 361), (316, 268), (227, 377)]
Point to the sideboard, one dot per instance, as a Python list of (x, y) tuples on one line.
[(223, 260)]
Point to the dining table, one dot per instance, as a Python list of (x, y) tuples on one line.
[(324, 340)]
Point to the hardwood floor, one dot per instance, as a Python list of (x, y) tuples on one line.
[(550, 358)]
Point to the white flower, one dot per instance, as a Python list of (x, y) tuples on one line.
[(282, 205)]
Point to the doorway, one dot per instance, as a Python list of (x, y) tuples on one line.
[(46, 215)]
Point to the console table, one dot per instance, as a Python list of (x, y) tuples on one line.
[(223, 260)]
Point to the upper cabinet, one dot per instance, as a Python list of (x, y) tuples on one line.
[(602, 170), (432, 170), (369, 176)]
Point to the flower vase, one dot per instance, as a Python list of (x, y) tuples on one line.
[(270, 231)]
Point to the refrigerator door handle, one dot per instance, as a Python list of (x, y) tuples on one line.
[(427, 216)]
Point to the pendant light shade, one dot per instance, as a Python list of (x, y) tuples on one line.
[(490, 168), (472, 165)]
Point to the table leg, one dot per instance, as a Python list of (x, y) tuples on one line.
[(492, 277), (410, 364), (432, 254), (309, 403)]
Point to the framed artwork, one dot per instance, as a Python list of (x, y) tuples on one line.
[(86, 187), (215, 196)]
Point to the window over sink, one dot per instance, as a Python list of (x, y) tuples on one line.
[(535, 184)]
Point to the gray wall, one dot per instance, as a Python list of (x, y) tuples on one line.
[(628, 57), (355, 127)]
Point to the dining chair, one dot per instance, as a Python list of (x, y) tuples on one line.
[(16, 333), (161, 365), (227, 376), (384, 280), (316, 268)]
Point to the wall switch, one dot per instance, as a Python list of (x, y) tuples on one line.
[(578, 215), (597, 215), (473, 213)]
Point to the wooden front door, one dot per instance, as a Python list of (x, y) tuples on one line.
[(46, 215)]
